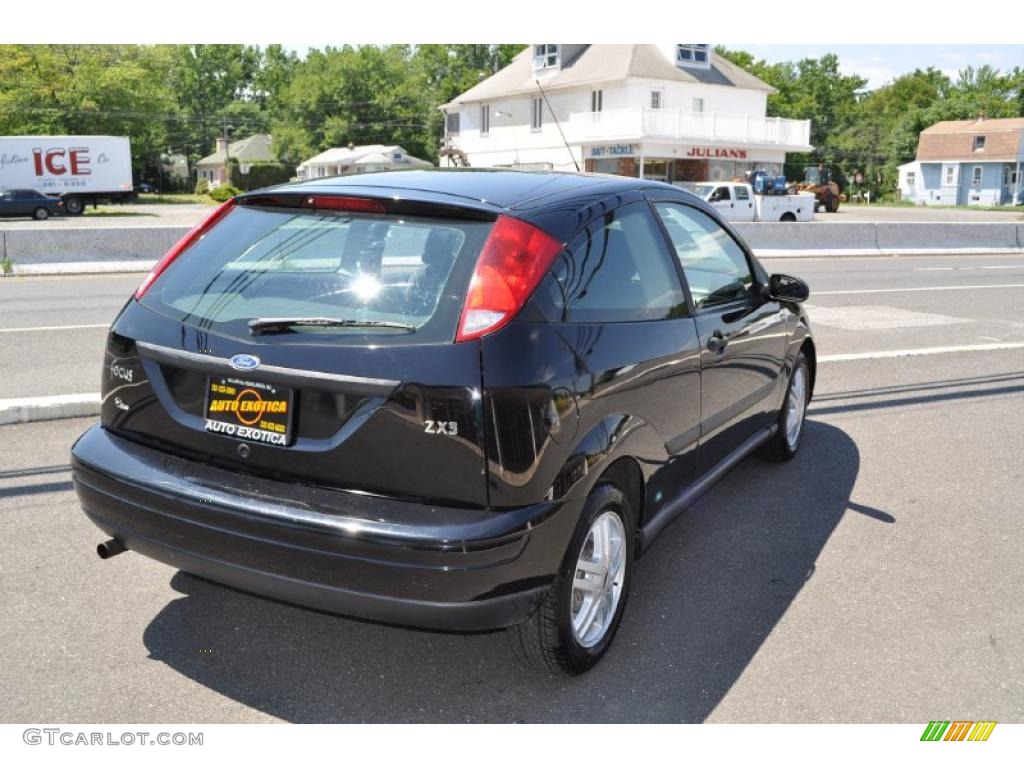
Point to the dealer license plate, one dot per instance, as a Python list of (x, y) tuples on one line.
[(249, 410)]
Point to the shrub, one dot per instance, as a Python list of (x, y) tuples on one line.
[(224, 192), (202, 187)]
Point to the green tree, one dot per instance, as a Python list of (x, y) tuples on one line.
[(86, 89), (205, 81)]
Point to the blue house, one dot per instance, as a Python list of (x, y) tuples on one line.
[(967, 162)]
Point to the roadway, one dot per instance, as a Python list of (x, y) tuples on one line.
[(874, 578)]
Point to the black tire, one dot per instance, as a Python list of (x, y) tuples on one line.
[(832, 204), (546, 640), (779, 448), (788, 216), (74, 206), (41, 214)]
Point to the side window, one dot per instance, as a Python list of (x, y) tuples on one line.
[(721, 194), (616, 270), (716, 268), (742, 193)]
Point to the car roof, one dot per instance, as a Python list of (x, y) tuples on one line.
[(497, 188), (558, 202)]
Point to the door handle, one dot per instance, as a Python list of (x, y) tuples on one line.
[(717, 343)]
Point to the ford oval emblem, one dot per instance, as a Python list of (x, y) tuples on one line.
[(244, 362)]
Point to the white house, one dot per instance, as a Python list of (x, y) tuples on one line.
[(967, 162), (342, 161), (672, 112)]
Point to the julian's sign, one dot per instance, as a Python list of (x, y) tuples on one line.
[(717, 153)]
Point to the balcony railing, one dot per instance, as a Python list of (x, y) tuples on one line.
[(642, 123)]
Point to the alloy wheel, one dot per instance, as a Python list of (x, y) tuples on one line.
[(599, 576)]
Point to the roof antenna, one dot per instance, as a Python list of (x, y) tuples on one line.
[(558, 125)]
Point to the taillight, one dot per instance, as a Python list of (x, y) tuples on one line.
[(187, 239), (358, 204), (513, 261)]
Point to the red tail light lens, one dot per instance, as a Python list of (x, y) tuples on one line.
[(187, 239), (358, 204), (513, 261)]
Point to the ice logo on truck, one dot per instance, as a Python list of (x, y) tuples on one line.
[(59, 161)]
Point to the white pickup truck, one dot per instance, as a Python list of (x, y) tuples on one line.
[(736, 201)]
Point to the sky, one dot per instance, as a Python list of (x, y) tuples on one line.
[(881, 63)]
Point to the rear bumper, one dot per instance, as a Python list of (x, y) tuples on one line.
[(394, 561)]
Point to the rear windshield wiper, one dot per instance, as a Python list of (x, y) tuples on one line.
[(285, 324)]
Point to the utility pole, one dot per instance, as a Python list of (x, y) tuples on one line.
[(227, 151)]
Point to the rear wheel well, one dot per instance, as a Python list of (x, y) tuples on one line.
[(625, 474), (812, 362)]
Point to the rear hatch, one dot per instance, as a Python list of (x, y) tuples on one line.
[(311, 339)]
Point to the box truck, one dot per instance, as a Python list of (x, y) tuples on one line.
[(78, 169)]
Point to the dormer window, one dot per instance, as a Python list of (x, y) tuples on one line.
[(545, 56), (979, 143), (693, 55)]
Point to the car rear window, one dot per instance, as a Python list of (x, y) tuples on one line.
[(263, 262)]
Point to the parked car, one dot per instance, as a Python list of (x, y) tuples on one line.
[(451, 400), (28, 202), (145, 188)]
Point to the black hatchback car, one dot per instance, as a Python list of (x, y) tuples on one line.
[(28, 202), (458, 400)]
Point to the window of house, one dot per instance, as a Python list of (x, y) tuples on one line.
[(976, 176), (950, 175), (693, 54), (911, 178), (1006, 175), (485, 119), (716, 268), (979, 143), (537, 117), (452, 124), (616, 270), (698, 105), (655, 98), (545, 56), (596, 101)]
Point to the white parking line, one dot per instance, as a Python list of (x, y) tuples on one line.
[(915, 290), (965, 269), (887, 353), (37, 328)]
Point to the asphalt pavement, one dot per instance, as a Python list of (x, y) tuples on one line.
[(128, 215), (874, 578), (189, 214)]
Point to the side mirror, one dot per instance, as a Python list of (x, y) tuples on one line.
[(786, 288)]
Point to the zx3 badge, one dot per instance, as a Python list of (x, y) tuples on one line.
[(450, 428)]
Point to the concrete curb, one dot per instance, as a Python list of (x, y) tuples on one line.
[(784, 253), (21, 410), (83, 267), (104, 250)]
